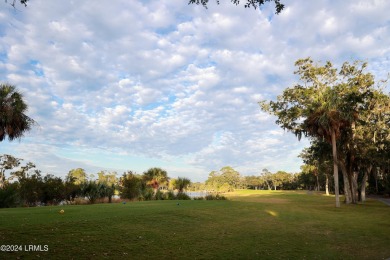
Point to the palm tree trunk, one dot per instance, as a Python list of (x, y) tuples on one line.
[(364, 184), (335, 170)]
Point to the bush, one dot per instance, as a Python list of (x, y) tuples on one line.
[(170, 195), (215, 197), (92, 191), (160, 195), (198, 198), (182, 196), (147, 194)]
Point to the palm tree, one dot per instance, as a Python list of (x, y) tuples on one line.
[(181, 183), (13, 120), (327, 123), (155, 177)]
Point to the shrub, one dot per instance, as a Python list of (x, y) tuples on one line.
[(148, 194), (93, 190), (215, 197), (183, 196), (160, 195), (170, 195), (198, 198)]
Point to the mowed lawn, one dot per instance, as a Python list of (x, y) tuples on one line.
[(250, 225)]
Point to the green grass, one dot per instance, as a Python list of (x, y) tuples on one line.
[(250, 225)]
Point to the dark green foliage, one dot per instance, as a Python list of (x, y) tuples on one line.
[(30, 189), (160, 195), (147, 194), (109, 191), (131, 186), (93, 190), (71, 190), (182, 196), (9, 196), (170, 195), (53, 190)]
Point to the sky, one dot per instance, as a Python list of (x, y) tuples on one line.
[(129, 85)]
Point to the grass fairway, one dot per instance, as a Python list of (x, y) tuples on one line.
[(250, 225)]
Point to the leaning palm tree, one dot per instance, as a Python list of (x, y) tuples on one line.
[(13, 120)]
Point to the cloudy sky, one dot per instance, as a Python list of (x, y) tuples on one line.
[(128, 85)]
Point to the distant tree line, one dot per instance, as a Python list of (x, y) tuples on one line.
[(24, 185), (228, 179), (314, 175)]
